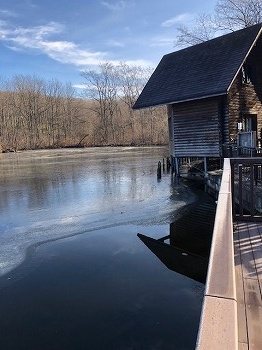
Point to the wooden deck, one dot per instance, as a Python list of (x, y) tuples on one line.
[(231, 316), (248, 274)]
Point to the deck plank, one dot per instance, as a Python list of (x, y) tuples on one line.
[(241, 309), (248, 272), (255, 240), (242, 346), (260, 285), (254, 313), (247, 257)]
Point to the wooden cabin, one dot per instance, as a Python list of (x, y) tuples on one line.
[(213, 92)]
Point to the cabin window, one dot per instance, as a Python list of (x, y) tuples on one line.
[(247, 74), (249, 122)]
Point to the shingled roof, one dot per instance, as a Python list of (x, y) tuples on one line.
[(199, 71)]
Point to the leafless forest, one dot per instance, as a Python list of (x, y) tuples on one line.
[(37, 114)]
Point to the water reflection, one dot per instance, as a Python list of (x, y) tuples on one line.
[(178, 260), (189, 242), (88, 282), (47, 195)]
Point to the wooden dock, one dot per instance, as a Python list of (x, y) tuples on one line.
[(248, 275), (231, 316)]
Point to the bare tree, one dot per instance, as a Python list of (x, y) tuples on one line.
[(236, 14), (73, 124), (101, 87), (38, 114), (132, 79), (229, 15), (27, 107), (35, 113), (204, 29), (114, 90)]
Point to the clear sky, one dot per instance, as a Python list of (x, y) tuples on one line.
[(60, 38)]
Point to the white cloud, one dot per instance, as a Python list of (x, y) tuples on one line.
[(139, 62), (7, 13), (80, 86), (162, 41), (118, 5), (66, 52), (37, 38), (28, 37), (179, 19), (115, 43)]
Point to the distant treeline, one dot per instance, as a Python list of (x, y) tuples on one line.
[(35, 113)]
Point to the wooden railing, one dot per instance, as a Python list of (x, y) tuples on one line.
[(240, 198), (218, 324), (246, 183), (233, 150)]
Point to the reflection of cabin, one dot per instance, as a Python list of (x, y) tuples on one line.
[(213, 91), (186, 249)]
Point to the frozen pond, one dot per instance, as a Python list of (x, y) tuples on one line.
[(73, 273)]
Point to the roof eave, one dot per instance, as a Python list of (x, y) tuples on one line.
[(247, 54), (199, 98), (181, 101)]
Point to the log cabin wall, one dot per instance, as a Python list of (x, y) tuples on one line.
[(245, 98), (224, 120), (197, 128), (170, 130)]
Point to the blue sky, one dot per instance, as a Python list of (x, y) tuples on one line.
[(59, 39)]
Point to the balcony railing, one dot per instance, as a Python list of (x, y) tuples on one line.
[(246, 178), (233, 150)]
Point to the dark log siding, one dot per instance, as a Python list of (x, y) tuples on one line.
[(247, 98), (197, 128), (170, 129), (243, 99), (224, 120)]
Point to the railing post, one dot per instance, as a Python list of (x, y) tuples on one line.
[(240, 189), (232, 166), (251, 186)]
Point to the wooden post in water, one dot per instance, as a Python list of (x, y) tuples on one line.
[(177, 166), (205, 166), (159, 170), (168, 164)]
